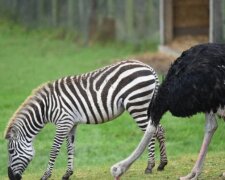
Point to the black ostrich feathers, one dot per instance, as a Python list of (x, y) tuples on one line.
[(195, 83)]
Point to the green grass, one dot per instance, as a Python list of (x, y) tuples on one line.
[(30, 58), (177, 167)]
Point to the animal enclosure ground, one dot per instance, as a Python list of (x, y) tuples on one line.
[(177, 167), (28, 59)]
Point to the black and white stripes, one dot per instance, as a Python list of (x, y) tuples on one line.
[(91, 98), (102, 95)]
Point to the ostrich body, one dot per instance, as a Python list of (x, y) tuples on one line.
[(195, 83)]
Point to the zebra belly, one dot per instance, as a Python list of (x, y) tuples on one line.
[(102, 119)]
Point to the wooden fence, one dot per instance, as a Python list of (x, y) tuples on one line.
[(134, 21)]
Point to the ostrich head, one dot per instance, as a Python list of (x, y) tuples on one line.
[(118, 169)]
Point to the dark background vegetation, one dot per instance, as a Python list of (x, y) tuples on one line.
[(134, 21)]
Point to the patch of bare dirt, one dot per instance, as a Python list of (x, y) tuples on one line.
[(158, 61), (185, 42), (161, 61)]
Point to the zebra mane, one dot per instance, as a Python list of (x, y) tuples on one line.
[(12, 120)]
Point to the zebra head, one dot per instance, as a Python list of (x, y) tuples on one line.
[(20, 153)]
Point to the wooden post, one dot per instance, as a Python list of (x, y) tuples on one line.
[(54, 12), (40, 13), (120, 20), (129, 17), (166, 21), (70, 12), (84, 8), (215, 25), (111, 9)]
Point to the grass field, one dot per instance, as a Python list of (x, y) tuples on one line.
[(30, 58)]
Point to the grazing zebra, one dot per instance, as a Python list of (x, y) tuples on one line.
[(91, 98)]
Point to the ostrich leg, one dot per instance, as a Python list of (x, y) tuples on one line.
[(210, 128)]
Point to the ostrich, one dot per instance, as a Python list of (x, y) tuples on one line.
[(195, 83)]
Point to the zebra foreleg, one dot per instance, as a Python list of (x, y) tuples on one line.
[(151, 155), (61, 134), (70, 150)]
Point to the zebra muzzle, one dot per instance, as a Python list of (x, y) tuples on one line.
[(12, 176)]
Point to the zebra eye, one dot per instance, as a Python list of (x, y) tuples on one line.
[(11, 151)]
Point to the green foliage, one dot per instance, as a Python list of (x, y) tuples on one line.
[(30, 58)]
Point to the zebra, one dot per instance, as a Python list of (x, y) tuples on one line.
[(92, 98)]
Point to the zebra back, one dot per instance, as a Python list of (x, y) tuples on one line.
[(99, 96), (90, 98)]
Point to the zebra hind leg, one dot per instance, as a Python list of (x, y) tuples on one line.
[(70, 151), (151, 155), (67, 175), (160, 135)]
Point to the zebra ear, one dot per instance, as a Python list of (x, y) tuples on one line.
[(12, 133)]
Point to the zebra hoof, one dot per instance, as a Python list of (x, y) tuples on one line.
[(148, 171), (46, 175), (149, 168), (44, 178), (67, 175), (161, 166)]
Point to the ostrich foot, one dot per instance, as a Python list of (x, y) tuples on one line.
[(149, 168), (161, 166), (191, 176), (67, 175)]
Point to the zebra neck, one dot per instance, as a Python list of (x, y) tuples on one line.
[(32, 130), (30, 120)]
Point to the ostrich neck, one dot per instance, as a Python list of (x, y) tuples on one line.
[(141, 146), (159, 104)]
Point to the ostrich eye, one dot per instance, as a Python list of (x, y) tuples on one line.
[(11, 151)]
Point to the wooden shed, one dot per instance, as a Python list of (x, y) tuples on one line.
[(184, 23)]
